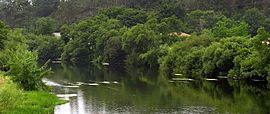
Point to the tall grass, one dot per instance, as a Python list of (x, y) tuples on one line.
[(16, 101), (10, 95)]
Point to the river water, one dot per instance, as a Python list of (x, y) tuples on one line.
[(114, 90)]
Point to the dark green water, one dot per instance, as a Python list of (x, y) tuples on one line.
[(138, 91)]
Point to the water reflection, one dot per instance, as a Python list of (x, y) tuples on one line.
[(140, 91)]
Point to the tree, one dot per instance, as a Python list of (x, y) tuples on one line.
[(47, 47), (108, 42), (255, 19), (186, 54), (138, 40), (78, 51), (128, 16), (171, 8), (44, 8), (253, 62), (218, 58), (229, 28), (3, 34), (198, 19), (20, 63), (45, 26), (143, 3), (82, 40), (69, 11), (171, 24), (16, 13)]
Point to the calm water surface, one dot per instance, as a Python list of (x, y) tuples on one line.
[(112, 90)]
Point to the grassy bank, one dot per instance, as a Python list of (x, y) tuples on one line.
[(16, 101)]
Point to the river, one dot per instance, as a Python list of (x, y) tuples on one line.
[(114, 90)]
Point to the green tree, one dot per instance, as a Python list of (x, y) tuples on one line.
[(198, 19), (128, 16), (3, 34), (44, 8), (138, 40), (77, 51), (21, 64), (108, 41), (255, 19), (47, 47), (218, 58), (16, 13), (171, 24), (186, 54), (82, 45), (255, 63), (171, 8), (65, 30), (229, 28), (45, 26)]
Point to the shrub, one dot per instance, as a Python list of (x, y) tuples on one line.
[(23, 68)]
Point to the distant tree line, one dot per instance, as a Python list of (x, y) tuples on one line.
[(23, 13), (236, 46)]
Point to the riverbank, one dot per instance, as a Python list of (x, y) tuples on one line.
[(16, 101)]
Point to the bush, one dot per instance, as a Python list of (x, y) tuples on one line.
[(16, 101), (23, 68)]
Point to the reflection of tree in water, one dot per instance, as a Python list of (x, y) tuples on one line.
[(244, 97), (145, 91), (256, 95)]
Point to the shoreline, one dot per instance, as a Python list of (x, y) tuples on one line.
[(15, 100)]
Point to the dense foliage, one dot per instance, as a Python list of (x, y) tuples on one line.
[(219, 45), (20, 63), (178, 36), (21, 86), (24, 13), (191, 38)]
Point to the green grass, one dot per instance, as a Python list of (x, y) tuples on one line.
[(16, 101)]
